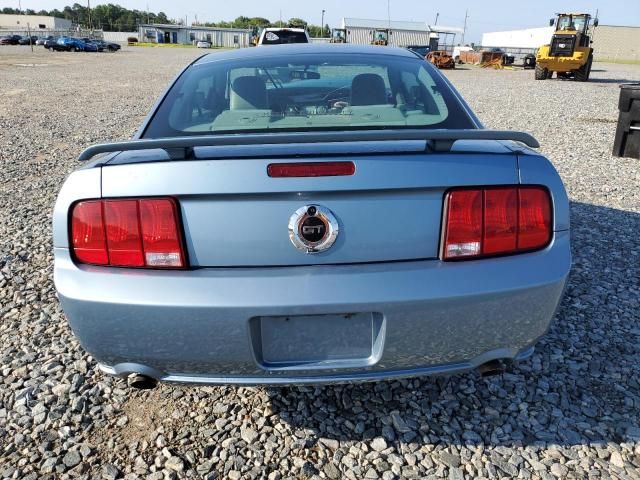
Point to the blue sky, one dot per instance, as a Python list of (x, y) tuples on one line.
[(484, 16)]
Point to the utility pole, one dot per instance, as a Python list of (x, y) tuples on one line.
[(30, 39), (389, 12), (322, 25), (464, 29), (437, 15), (89, 13)]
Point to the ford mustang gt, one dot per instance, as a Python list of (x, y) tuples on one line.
[(310, 214)]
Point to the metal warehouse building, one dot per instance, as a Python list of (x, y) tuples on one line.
[(610, 42), (360, 31), (219, 37), (35, 22), (614, 42)]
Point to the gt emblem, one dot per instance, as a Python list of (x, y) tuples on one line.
[(308, 231), (313, 229)]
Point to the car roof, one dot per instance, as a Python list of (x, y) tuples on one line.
[(302, 48), (287, 29)]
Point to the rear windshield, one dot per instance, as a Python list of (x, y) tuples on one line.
[(283, 36), (305, 92)]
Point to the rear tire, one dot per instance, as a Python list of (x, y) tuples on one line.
[(541, 73), (582, 74)]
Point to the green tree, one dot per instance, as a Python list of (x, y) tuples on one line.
[(113, 17), (297, 23)]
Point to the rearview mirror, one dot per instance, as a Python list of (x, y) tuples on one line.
[(303, 75), (551, 22), (595, 22)]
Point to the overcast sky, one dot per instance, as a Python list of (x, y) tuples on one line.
[(484, 16)]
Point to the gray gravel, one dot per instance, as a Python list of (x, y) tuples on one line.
[(572, 411)]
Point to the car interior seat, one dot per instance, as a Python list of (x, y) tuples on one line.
[(368, 89), (248, 93)]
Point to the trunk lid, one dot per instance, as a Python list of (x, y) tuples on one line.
[(234, 214)]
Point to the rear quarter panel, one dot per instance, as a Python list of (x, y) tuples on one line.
[(538, 170)]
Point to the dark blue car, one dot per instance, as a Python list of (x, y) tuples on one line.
[(69, 44)]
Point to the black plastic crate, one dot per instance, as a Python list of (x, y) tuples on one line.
[(627, 141)]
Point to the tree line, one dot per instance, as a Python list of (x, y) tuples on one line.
[(114, 18), (259, 22), (109, 17)]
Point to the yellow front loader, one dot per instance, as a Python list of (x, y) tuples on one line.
[(381, 36), (569, 54)]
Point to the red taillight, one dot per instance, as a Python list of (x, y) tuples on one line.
[(160, 235), (127, 233), (315, 169), (500, 220), (464, 224), (534, 218), (123, 233), (496, 221), (87, 233)]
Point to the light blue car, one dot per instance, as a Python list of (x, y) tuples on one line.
[(310, 214)]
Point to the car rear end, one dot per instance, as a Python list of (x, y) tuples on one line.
[(283, 36), (182, 265)]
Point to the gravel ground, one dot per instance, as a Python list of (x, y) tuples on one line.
[(572, 411)]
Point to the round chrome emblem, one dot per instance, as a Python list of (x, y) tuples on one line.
[(313, 229)]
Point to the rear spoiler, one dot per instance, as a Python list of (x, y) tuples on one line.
[(181, 147)]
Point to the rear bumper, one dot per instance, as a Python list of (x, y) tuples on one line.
[(198, 326)]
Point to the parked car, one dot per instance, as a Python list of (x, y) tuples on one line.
[(26, 40), (356, 222), (421, 50), (441, 59), (10, 40), (279, 36), (104, 46), (50, 43), (68, 44), (203, 44), (42, 40), (90, 47)]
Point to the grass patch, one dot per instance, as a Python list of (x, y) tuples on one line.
[(162, 45), (614, 60), (172, 45)]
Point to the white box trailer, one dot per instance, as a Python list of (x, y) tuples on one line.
[(527, 38), (402, 33), (360, 31)]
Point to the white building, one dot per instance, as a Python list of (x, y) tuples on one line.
[(361, 31), (610, 42), (34, 22), (219, 37), (527, 38)]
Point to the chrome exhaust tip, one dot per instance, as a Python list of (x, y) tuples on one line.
[(141, 382), (491, 368)]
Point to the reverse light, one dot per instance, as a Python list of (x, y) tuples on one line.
[(141, 233), (495, 221)]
